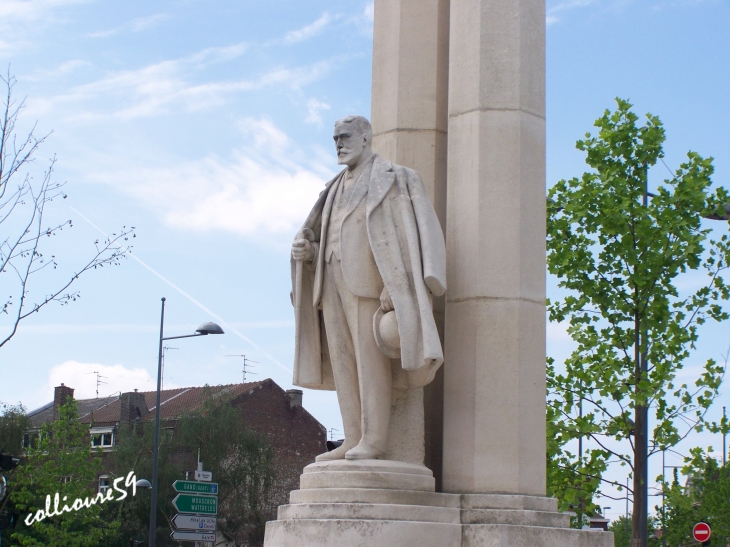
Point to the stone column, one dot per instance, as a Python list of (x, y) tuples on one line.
[(409, 117), (494, 395)]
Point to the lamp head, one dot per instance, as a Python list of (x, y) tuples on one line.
[(209, 328), (143, 483)]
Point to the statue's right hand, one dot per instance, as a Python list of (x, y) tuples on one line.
[(302, 250)]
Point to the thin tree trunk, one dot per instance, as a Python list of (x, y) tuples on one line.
[(641, 430)]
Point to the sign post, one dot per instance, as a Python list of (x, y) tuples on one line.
[(701, 532), (196, 504), (203, 475), (193, 523), (180, 535), (193, 487)]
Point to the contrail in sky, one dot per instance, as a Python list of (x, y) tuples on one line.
[(194, 301)]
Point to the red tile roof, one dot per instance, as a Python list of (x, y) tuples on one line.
[(173, 402)]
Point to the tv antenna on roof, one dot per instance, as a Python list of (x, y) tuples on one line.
[(98, 381), (246, 362)]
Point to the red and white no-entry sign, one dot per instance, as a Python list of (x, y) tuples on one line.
[(701, 532)]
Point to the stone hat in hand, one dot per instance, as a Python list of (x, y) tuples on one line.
[(385, 330)]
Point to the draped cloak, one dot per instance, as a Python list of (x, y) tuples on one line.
[(408, 246)]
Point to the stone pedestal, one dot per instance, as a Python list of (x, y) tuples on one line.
[(374, 503)]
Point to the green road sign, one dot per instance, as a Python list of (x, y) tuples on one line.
[(192, 503), (193, 487)]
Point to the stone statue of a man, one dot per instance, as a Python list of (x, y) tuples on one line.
[(372, 245)]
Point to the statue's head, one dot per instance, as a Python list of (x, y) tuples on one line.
[(353, 136)]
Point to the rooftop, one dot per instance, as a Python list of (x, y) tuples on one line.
[(173, 404)]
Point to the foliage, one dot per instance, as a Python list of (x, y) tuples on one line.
[(133, 451), (13, 423), (706, 498), (621, 528), (241, 462), (630, 272), (26, 267), (62, 462)]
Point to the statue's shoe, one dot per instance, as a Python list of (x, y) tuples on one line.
[(364, 451), (336, 454)]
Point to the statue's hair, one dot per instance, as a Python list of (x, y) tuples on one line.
[(361, 122)]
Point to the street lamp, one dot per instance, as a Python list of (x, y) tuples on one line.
[(202, 330), (144, 484)]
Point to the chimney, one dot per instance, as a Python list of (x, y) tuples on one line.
[(60, 394), (295, 397), (133, 406)]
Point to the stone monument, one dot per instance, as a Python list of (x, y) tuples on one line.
[(459, 98)]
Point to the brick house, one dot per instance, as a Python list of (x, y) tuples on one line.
[(294, 434)]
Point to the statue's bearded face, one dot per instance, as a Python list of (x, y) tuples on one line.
[(352, 144)]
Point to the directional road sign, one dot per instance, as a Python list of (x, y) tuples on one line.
[(193, 487), (203, 476), (701, 532), (192, 503), (178, 535), (193, 522)]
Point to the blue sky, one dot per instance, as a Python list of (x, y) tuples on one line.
[(206, 125)]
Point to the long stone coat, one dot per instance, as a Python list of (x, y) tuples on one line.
[(408, 246)]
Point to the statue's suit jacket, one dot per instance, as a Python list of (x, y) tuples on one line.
[(407, 243)]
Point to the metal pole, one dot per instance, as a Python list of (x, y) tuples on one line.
[(156, 447), (724, 439), (641, 431)]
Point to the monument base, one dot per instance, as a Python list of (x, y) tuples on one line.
[(374, 503)]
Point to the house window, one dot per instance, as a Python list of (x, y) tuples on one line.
[(103, 438), (103, 483), (64, 480), (30, 440)]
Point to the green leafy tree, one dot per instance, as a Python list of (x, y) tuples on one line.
[(706, 497), (630, 264), (133, 451), (64, 463), (241, 462), (13, 424), (621, 528)]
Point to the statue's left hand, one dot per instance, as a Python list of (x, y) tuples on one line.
[(386, 303)]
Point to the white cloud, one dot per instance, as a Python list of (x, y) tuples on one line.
[(61, 70), (552, 16), (81, 377), (263, 191), (165, 87), (13, 11), (23, 23), (264, 133), (136, 25), (310, 30), (369, 12), (314, 108)]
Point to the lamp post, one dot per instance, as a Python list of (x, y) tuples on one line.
[(202, 330)]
